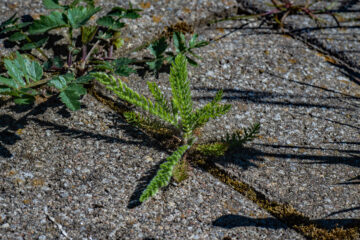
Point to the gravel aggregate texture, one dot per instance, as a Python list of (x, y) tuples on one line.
[(78, 174), (339, 37), (84, 169)]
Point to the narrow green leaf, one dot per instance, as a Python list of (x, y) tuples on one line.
[(124, 13), (9, 29), (13, 19), (23, 24), (18, 36), (158, 96), (200, 44), (110, 23), (32, 45), (52, 4), (24, 100), (5, 90), (179, 42), (133, 97), (158, 47), (79, 15), (180, 86), (46, 23), (84, 79), (121, 67), (164, 174)]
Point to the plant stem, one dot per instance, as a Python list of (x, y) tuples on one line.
[(84, 52), (89, 55), (38, 83), (111, 48)]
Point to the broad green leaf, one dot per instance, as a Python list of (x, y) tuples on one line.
[(88, 33), (52, 4), (8, 82), (22, 67), (158, 47), (46, 23), (61, 82), (70, 99), (71, 96), (79, 15), (110, 23), (14, 71), (124, 13), (77, 88), (34, 70), (32, 45), (18, 36)]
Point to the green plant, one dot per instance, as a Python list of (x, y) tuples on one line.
[(230, 141), (178, 113), (89, 47), (158, 48), (25, 75)]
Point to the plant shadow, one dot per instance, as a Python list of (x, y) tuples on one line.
[(232, 221), (10, 125)]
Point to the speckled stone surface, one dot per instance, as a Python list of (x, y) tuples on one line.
[(86, 169), (340, 38), (83, 170)]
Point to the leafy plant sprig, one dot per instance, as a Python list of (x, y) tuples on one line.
[(24, 76), (230, 141), (179, 113), (20, 81), (158, 48)]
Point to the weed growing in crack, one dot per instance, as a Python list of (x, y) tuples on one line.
[(89, 55), (178, 113)]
